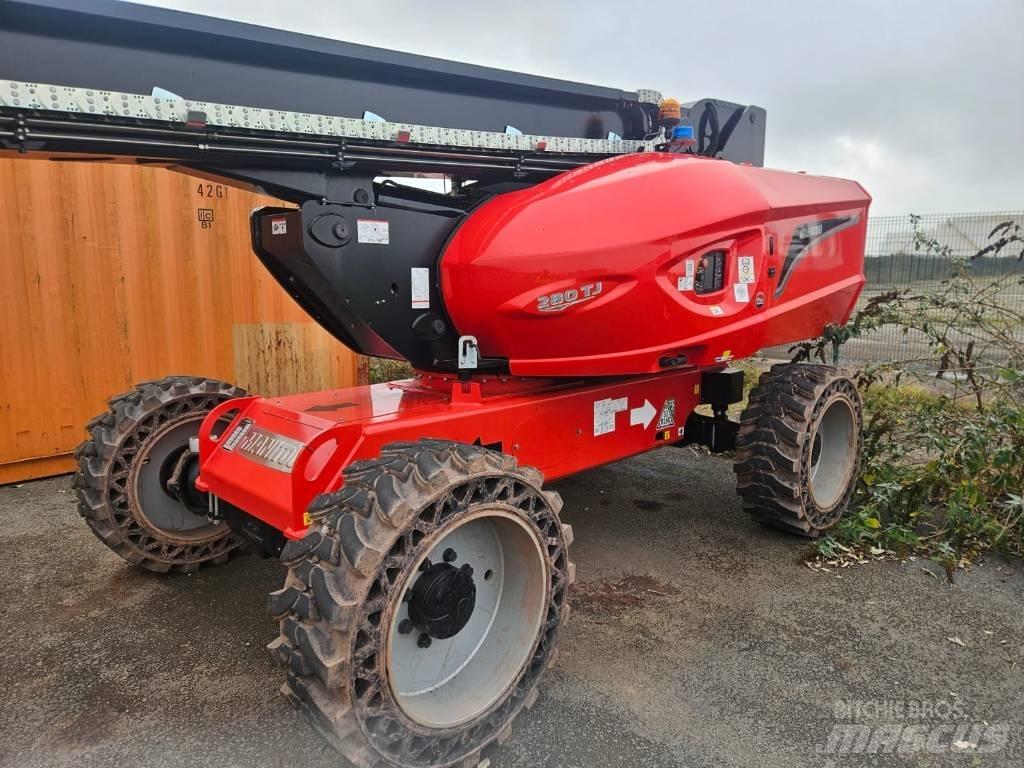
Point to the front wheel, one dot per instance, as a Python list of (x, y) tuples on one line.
[(424, 603), (798, 447), (134, 480)]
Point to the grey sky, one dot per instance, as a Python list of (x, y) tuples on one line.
[(922, 102)]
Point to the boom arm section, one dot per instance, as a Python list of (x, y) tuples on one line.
[(316, 123), (129, 48), (404, 114)]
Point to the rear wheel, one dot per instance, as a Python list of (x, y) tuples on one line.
[(423, 605), (135, 478), (798, 447)]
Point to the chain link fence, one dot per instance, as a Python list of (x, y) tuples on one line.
[(894, 263)]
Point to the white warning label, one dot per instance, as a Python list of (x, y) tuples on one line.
[(741, 291), (684, 283), (373, 231), (691, 268), (745, 269), (604, 414), (279, 226), (668, 414), (420, 287)]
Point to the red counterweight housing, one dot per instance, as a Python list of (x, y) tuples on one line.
[(650, 261)]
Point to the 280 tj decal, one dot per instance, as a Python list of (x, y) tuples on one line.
[(562, 300)]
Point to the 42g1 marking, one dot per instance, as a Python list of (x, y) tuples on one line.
[(218, 191)]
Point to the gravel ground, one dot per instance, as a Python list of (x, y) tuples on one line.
[(697, 639)]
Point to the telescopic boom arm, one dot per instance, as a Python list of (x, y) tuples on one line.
[(290, 113)]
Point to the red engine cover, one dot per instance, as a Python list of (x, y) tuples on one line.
[(620, 266)]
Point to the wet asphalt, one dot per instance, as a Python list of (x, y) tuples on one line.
[(697, 639)]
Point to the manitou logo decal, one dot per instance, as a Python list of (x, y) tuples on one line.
[(805, 237), (562, 300), (271, 450), (809, 231)]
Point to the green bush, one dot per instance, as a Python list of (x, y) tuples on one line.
[(384, 370), (943, 464), (938, 477)]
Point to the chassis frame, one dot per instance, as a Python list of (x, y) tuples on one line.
[(264, 460)]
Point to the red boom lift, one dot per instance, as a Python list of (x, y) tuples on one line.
[(601, 258)]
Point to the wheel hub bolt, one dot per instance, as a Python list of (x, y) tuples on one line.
[(467, 569), (424, 641), (404, 627), (450, 555), (425, 565)]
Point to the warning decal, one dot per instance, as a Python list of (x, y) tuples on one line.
[(373, 231), (745, 269), (604, 414), (420, 287), (668, 414)]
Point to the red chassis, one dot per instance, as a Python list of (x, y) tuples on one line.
[(276, 455)]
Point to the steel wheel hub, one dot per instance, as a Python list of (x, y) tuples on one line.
[(174, 516), (469, 616), (833, 453), (442, 600)]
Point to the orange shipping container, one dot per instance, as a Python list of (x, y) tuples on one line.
[(114, 274)]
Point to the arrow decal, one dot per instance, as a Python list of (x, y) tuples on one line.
[(643, 415)]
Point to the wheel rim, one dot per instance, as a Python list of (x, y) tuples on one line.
[(833, 453), (440, 681), (152, 503)]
